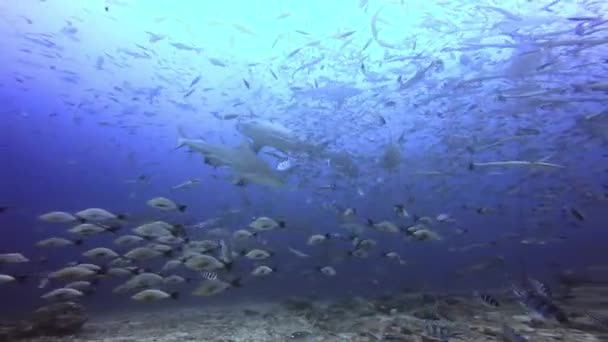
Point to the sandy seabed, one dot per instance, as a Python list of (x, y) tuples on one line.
[(404, 317)]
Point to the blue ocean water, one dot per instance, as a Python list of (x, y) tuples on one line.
[(373, 103)]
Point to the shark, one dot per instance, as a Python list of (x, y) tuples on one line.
[(242, 160)]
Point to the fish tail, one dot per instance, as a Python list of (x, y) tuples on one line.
[(181, 137), (236, 282)]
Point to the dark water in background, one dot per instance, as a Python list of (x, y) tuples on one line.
[(69, 161)]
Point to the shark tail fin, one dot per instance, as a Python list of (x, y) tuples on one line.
[(181, 138)]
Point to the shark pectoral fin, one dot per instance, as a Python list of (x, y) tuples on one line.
[(255, 147)]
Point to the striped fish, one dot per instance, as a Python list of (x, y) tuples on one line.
[(540, 288), (438, 331), (209, 275), (511, 336), (486, 299), (541, 306), (599, 321)]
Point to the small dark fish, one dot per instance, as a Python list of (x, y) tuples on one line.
[(548, 7), (381, 120), (273, 74), (303, 32), (182, 46), (481, 210), (246, 83), (582, 18), (217, 62), (189, 93), (367, 44), (363, 67), (401, 139), (346, 34), (294, 52), (511, 336), (390, 103), (195, 81), (577, 214), (486, 299), (107, 9)]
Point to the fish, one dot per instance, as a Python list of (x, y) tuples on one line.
[(209, 275), (57, 242), (282, 15), (577, 214), (151, 295), (297, 252), (285, 165), (599, 321), (145, 253), (273, 74), (100, 253), (166, 204), (12, 258), (217, 62), (97, 215), (153, 37), (226, 254), (294, 52), (443, 218), (185, 47), (195, 81), (203, 262), (318, 239), (418, 232), (327, 270), (264, 223), (384, 226), (486, 299), (262, 270), (128, 240), (156, 229), (213, 287), (367, 44), (189, 184), (246, 84), (58, 217), (540, 288), (88, 229), (86, 287), (349, 212), (510, 335), (5, 279), (62, 294), (72, 273), (439, 330), (345, 34), (257, 254), (175, 279), (243, 234), (190, 92), (400, 210), (539, 306)]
